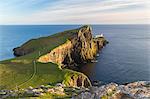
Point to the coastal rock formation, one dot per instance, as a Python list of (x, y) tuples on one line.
[(76, 80), (135, 90), (79, 48)]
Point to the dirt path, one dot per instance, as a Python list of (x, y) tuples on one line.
[(34, 73)]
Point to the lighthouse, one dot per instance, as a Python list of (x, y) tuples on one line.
[(101, 35)]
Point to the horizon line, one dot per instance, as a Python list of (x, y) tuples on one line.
[(86, 24)]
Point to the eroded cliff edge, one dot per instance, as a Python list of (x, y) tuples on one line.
[(80, 48)]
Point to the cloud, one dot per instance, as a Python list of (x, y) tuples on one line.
[(85, 11)]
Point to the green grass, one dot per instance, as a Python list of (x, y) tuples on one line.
[(21, 72)]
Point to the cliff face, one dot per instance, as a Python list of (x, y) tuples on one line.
[(79, 48), (76, 79), (58, 54)]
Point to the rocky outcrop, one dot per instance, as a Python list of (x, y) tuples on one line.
[(19, 51), (76, 79), (135, 90), (79, 48)]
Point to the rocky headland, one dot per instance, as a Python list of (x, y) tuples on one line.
[(80, 47)]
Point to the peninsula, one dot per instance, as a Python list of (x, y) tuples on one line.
[(48, 60)]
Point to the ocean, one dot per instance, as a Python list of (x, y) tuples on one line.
[(12, 36), (125, 59)]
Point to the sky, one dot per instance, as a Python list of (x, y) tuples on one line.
[(74, 11)]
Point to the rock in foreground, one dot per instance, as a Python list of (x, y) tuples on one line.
[(135, 90)]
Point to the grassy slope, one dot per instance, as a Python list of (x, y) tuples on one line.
[(22, 72)]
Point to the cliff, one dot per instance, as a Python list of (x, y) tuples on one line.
[(76, 79), (79, 48)]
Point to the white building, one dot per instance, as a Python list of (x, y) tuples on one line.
[(101, 35)]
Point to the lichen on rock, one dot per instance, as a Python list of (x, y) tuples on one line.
[(135, 90)]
